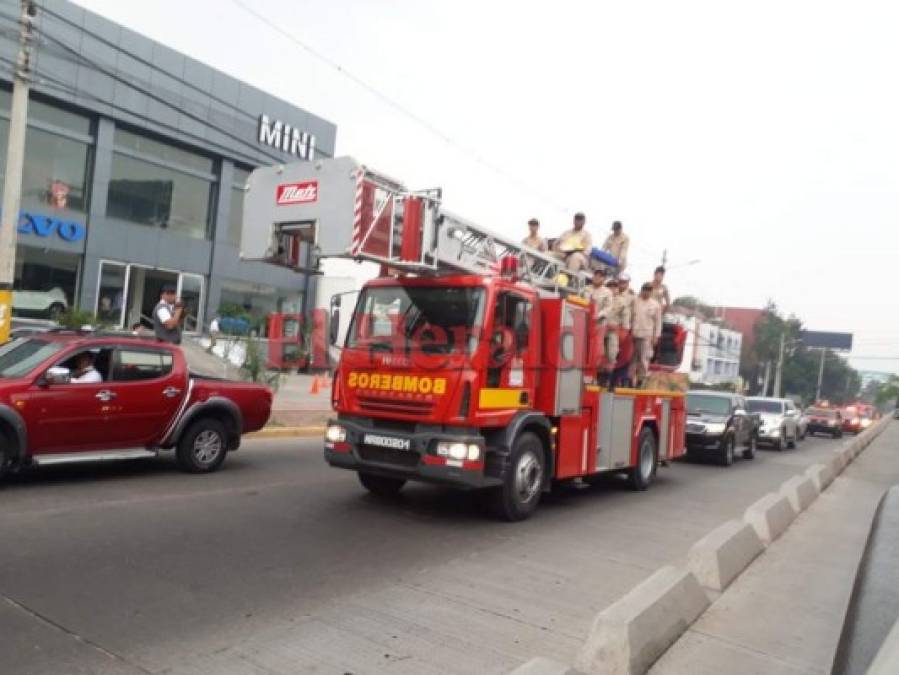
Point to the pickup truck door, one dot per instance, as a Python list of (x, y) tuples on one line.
[(147, 390), (66, 417)]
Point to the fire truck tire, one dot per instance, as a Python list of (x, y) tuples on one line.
[(381, 486), (519, 495), (203, 446), (642, 475), (726, 458)]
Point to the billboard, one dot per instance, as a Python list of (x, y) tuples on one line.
[(825, 340)]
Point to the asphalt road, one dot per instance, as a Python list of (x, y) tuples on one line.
[(279, 564)]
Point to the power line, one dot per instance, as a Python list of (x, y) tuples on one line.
[(406, 112)]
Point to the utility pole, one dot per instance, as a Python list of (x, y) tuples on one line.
[(664, 256), (820, 375), (778, 374), (767, 378), (15, 160)]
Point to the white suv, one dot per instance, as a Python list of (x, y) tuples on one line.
[(779, 421), (50, 303)]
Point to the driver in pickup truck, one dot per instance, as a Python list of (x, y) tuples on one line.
[(85, 373), (574, 245)]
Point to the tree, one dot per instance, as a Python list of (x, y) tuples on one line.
[(888, 392), (695, 304)]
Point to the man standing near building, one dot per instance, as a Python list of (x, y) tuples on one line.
[(167, 316), (616, 245), (646, 332), (660, 290), (574, 245), (534, 240)]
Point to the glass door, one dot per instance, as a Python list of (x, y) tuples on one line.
[(111, 288), (190, 291)]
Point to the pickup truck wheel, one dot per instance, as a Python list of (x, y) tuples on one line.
[(381, 486), (5, 458), (519, 494), (203, 447), (791, 443), (781, 443), (642, 475), (726, 457)]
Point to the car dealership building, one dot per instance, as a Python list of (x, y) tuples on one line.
[(136, 158)]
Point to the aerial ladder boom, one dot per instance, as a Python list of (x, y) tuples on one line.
[(299, 213)]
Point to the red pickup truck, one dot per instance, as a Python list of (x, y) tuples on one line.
[(73, 396)]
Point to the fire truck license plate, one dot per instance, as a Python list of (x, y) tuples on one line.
[(387, 442)]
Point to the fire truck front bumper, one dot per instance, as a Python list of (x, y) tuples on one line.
[(428, 453)]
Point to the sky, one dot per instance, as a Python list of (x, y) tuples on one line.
[(760, 139)]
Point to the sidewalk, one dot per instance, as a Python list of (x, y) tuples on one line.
[(785, 613)]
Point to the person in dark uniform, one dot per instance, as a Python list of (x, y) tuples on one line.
[(167, 316)]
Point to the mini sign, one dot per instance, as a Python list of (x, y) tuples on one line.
[(296, 193), (44, 226)]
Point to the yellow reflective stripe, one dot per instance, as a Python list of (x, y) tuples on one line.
[(501, 398)]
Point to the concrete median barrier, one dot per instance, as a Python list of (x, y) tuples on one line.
[(801, 492), (720, 556), (770, 516), (821, 475), (542, 666), (627, 637)]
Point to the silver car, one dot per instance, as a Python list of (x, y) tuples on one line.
[(779, 421)]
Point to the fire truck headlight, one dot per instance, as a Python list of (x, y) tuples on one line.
[(335, 433), (866, 423), (715, 428), (455, 450)]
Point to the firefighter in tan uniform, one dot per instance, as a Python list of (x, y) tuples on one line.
[(601, 295), (619, 317), (574, 245), (534, 240), (660, 290), (616, 244), (646, 331)]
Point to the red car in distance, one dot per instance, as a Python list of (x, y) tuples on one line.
[(852, 420), (140, 399)]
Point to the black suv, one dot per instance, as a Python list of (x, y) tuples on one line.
[(717, 423)]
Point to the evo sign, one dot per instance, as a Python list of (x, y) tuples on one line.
[(45, 226), (286, 138)]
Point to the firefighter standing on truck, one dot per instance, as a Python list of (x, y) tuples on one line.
[(646, 331), (619, 318), (574, 245), (534, 240), (616, 244), (600, 294)]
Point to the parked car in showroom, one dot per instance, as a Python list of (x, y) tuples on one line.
[(824, 421), (50, 303), (717, 424), (779, 421), (71, 396)]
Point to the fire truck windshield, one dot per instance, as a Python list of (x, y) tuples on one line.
[(433, 319)]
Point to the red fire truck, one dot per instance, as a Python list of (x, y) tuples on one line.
[(471, 361)]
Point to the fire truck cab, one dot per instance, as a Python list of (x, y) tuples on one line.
[(470, 361)]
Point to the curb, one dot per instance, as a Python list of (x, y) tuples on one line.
[(286, 432), (630, 635)]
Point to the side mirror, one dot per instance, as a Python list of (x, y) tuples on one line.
[(334, 320), (58, 375)]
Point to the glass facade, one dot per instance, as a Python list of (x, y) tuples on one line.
[(155, 184), (57, 156), (46, 282), (250, 303), (235, 212)]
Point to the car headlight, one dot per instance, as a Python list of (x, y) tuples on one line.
[(831, 423), (459, 451), (335, 433), (715, 428)]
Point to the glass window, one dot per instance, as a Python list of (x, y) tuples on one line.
[(145, 364), (20, 357), (163, 152), (55, 172), (235, 212), (111, 295), (704, 403), (757, 405), (246, 306), (148, 194), (45, 282)]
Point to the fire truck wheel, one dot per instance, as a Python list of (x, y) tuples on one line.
[(518, 497), (727, 451), (381, 486), (203, 447), (642, 475)]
